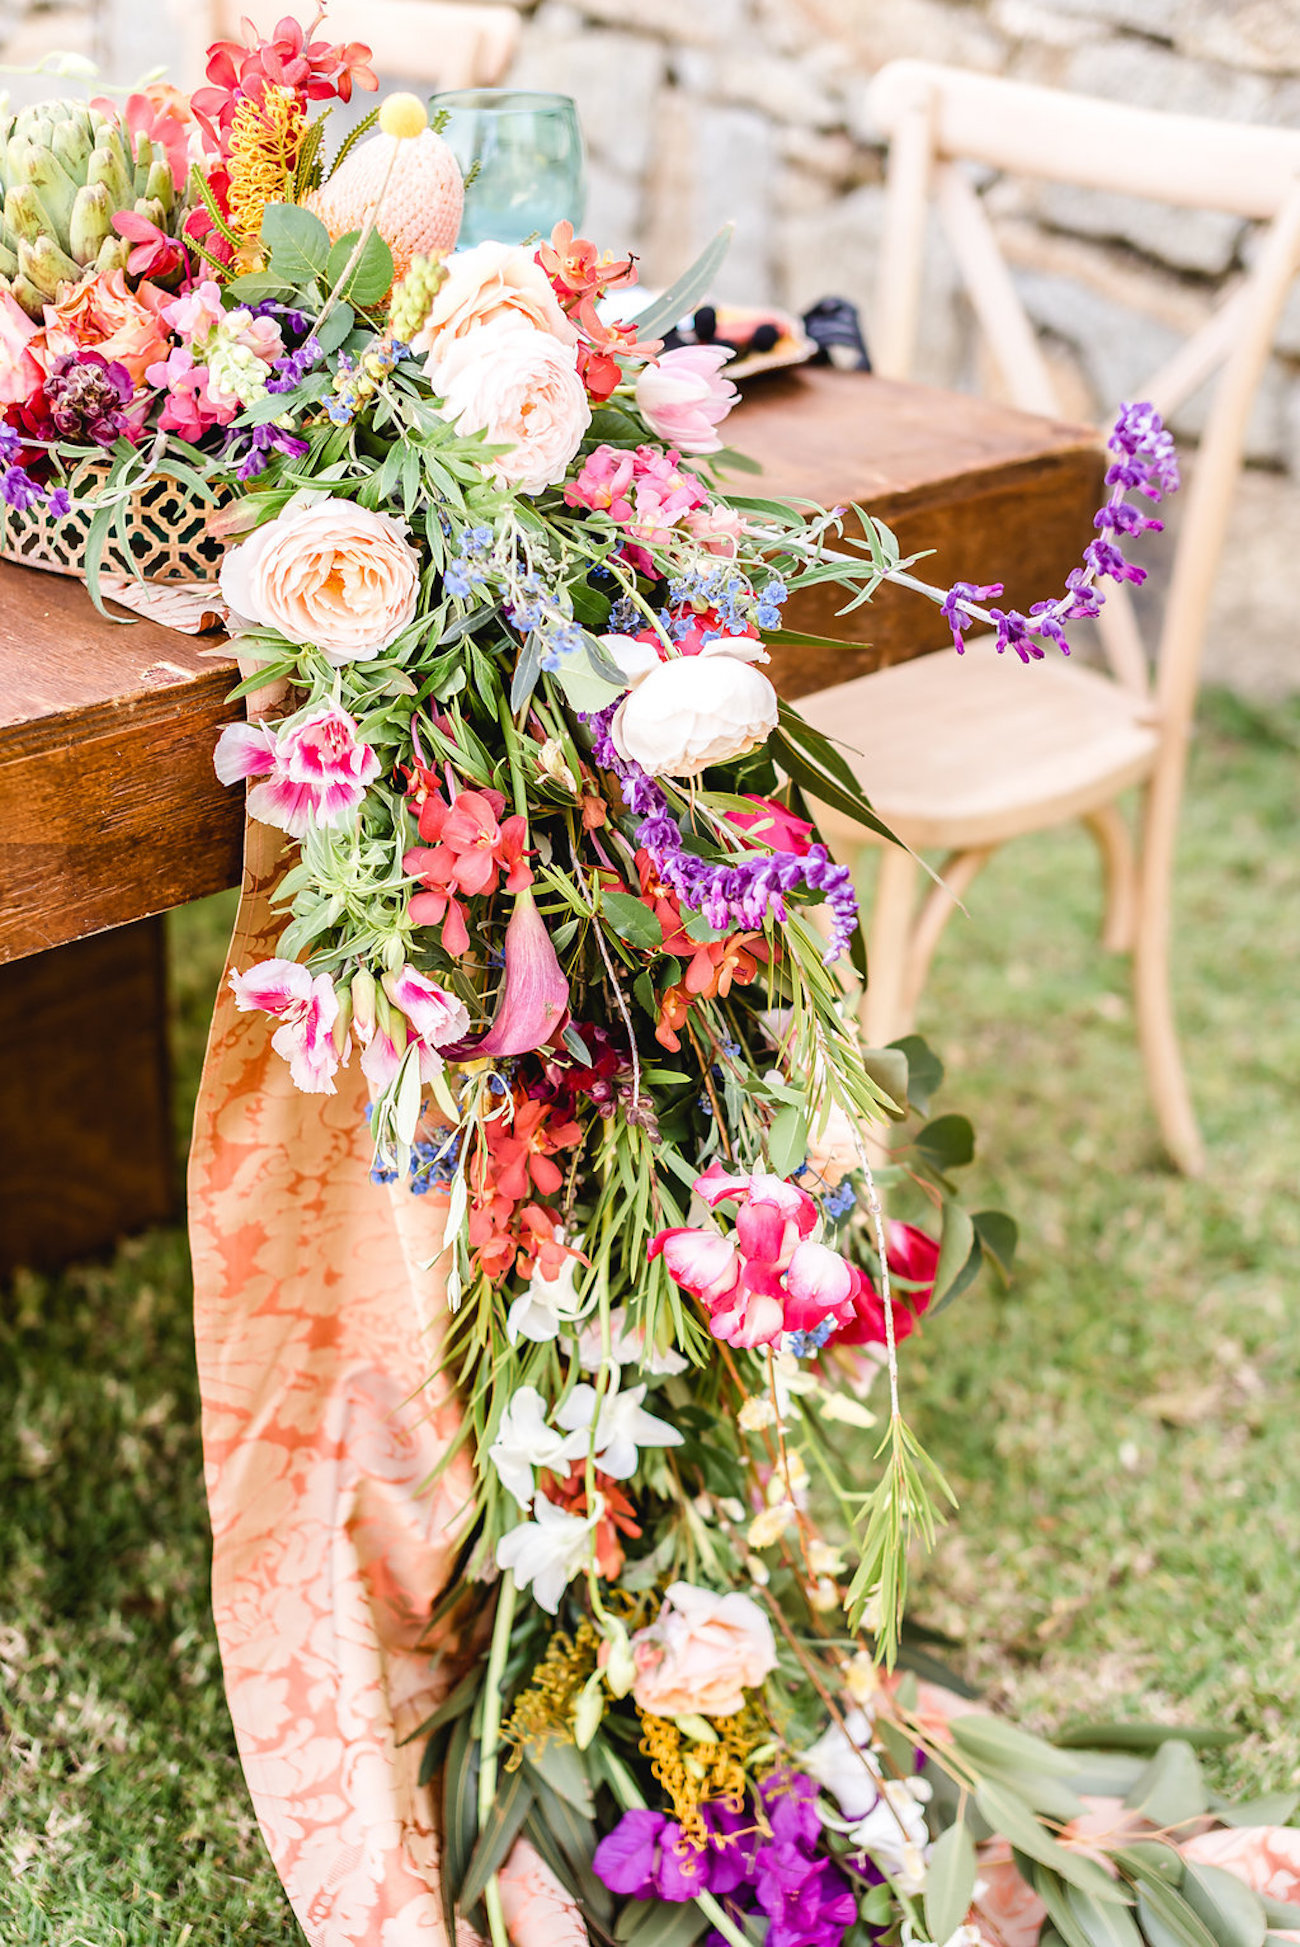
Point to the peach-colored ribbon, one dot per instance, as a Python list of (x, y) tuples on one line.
[(317, 1331)]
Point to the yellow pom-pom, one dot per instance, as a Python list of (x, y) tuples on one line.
[(404, 116)]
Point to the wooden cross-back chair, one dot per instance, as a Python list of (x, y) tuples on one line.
[(439, 43), (961, 754)]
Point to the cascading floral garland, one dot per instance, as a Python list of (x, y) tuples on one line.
[(556, 883)]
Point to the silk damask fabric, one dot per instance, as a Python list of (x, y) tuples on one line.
[(318, 1325)]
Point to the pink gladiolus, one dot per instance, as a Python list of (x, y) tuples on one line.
[(316, 769), (702, 1262), (774, 825), (534, 993), (307, 1010), (774, 1215), (683, 397)]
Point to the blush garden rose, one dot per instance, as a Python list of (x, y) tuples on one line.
[(329, 573)]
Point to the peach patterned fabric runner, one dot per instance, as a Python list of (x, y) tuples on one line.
[(316, 1331)]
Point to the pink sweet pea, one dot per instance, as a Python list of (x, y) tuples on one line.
[(912, 1255), (774, 1215), (195, 314), (774, 825), (316, 768), (819, 1281), (308, 1011), (702, 1262), (683, 397), (190, 408)]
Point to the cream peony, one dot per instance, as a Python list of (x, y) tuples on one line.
[(702, 1655), (692, 712), (522, 389), (485, 285), (328, 573)]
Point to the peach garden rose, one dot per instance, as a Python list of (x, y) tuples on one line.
[(328, 573), (485, 285), (702, 1655), (522, 389), (100, 315)]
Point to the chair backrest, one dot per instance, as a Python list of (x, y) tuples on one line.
[(937, 118), (440, 43)]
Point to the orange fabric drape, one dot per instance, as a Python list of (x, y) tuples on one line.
[(318, 1326)]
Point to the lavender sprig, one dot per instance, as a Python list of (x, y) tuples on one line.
[(1145, 464), (743, 893)]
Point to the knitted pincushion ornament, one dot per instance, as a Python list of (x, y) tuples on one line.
[(421, 209)]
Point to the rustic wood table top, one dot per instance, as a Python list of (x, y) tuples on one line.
[(109, 808)]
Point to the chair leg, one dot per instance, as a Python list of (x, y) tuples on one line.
[(888, 948), (1119, 865), (1157, 1030), (958, 873)]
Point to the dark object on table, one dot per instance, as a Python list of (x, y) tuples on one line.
[(833, 325)]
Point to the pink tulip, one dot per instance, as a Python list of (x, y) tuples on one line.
[(683, 397), (307, 1010), (701, 1261), (534, 993), (316, 768)]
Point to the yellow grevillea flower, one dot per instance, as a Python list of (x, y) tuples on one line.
[(264, 143)]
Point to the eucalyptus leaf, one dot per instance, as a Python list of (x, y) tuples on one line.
[(631, 920), (1010, 1816), (888, 1069), (994, 1739), (369, 278), (948, 1143), (298, 242), (1232, 1912), (956, 1245), (681, 298), (787, 1141), (949, 1881), (1172, 1788)]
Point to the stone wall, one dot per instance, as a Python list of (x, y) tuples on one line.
[(697, 111)]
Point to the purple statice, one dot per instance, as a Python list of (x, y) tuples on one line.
[(293, 367), (1145, 463), (86, 396), (258, 444), (743, 892)]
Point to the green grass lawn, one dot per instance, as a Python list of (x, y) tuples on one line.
[(1121, 1427)]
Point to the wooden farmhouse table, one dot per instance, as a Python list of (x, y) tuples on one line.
[(110, 813)]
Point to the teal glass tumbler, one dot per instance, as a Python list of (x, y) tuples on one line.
[(528, 156)]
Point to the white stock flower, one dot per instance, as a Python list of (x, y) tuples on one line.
[(622, 1428), (548, 1303), (524, 1441), (547, 1553)]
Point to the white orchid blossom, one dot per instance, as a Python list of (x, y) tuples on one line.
[(622, 1428), (627, 1348), (546, 1554), (547, 1304), (525, 1441)]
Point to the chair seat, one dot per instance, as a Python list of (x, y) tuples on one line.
[(957, 751)]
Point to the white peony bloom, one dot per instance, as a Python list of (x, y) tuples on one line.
[(547, 1553), (524, 1441), (692, 712), (622, 1428), (548, 1303)]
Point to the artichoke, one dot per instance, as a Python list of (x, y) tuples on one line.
[(65, 172)]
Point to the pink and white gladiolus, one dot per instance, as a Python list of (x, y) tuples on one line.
[(309, 1013), (684, 398), (316, 768), (408, 1008)]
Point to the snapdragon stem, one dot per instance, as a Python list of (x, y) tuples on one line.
[(490, 1742)]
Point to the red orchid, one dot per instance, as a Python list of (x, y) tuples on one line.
[(467, 848), (155, 254), (314, 70), (576, 268), (527, 1147)]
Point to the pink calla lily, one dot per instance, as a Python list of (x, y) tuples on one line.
[(534, 993)]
